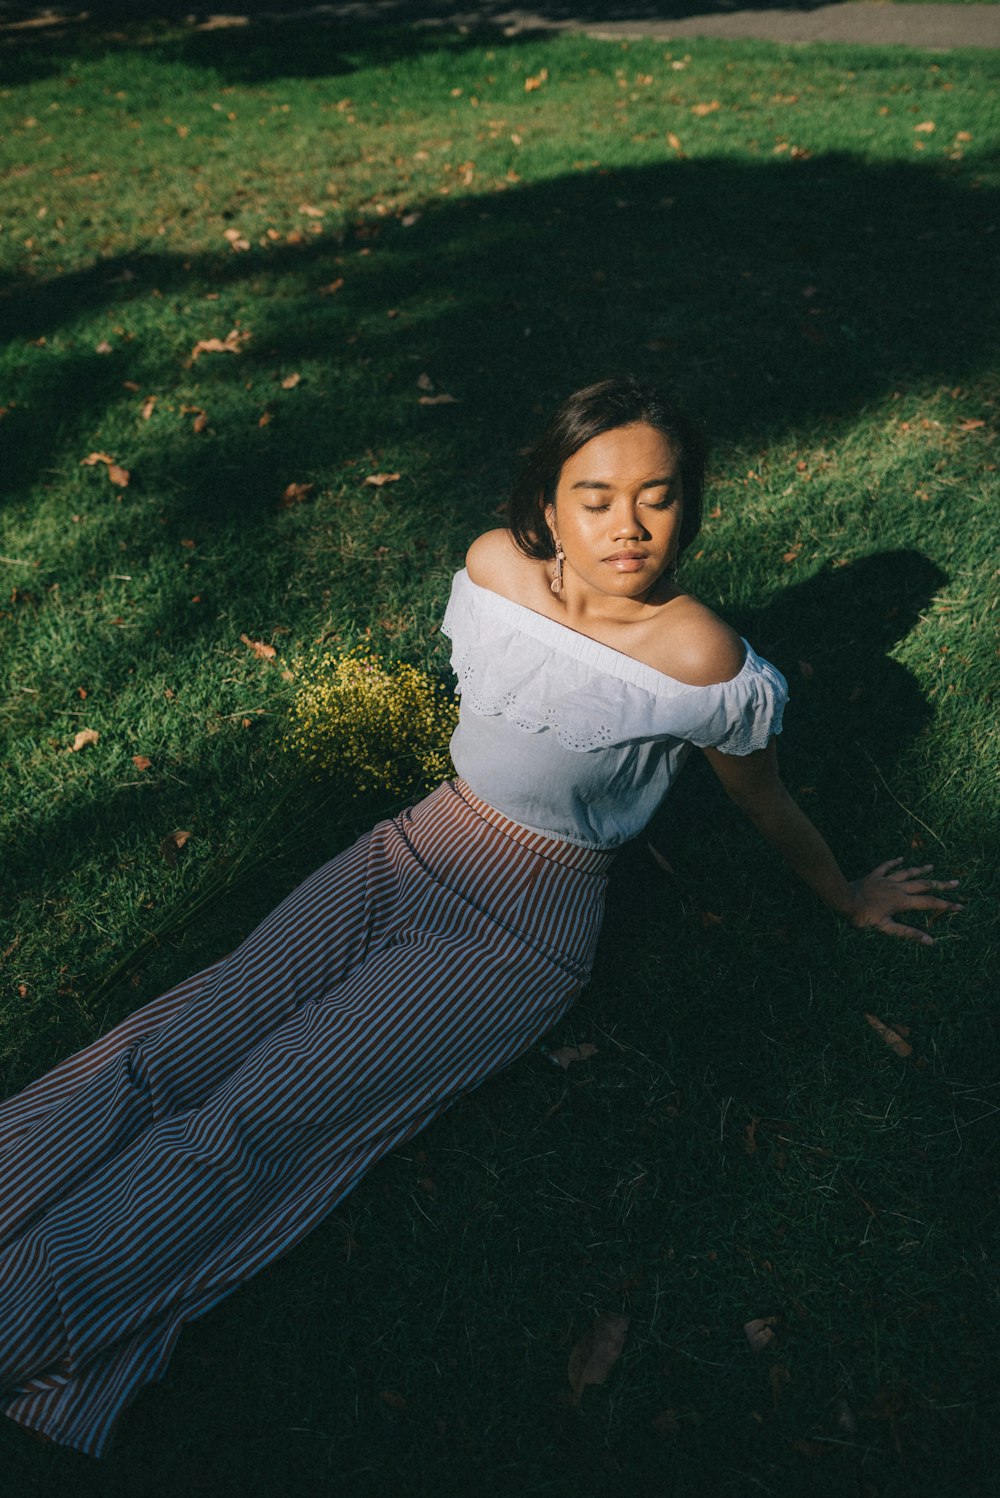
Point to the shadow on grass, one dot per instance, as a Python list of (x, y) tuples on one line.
[(773, 298), (285, 38)]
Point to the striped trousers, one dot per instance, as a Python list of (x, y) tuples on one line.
[(147, 1177)]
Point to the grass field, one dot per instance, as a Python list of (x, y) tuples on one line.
[(803, 244)]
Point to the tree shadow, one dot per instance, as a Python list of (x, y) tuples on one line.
[(693, 273)]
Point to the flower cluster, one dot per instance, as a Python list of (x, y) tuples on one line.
[(380, 727)]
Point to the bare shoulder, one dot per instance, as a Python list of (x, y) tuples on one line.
[(493, 561), (695, 646)]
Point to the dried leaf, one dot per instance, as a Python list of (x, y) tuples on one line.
[(333, 287), (93, 458), (83, 738), (760, 1332), (425, 382), (141, 762), (104, 347), (409, 219), (438, 400), (147, 407), (892, 1038), (377, 480), (779, 1377), (660, 861), (597, 1351), (536, 81), (971, 424), (926, 127), (119, 476), (261, 651), (200, 422), (294, 494), (131, 385), (310, 211), (702, 109), (567, 1054), (231, 344), (290, 381), (171, 846), (673, 141)]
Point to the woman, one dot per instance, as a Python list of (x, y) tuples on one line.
[(147, 1177)]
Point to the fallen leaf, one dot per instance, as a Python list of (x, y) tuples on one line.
[(438, 400), (119, 476), (567, 1054), (294, 494), (200, 422), (290, 381), (104, 347), (265, 418), (926, 127), (660, 861), (971, 424), (760, 1332), (189, 544), (702, 109), (597, 1351), (310, 211), (171, 846), (93, 458), (376, 480), (231, 344), (333, 287), (779, 1377), (892, 1038), (141, 762), (83, 738), (425, 382), (261, 651), (131, 385), (536, 81), (147, 407), (673, 141), (409, 219)]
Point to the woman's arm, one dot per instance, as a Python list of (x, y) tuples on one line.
[(752, 782)]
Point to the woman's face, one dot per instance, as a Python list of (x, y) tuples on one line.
[(617, 513)]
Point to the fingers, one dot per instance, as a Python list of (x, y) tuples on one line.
[(930, 902), (906, 933), (901, 875), (884, 868)]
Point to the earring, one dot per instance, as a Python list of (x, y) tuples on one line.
[(671, 571), (560, 558)]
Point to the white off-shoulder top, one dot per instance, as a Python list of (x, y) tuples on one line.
[(573, 739)]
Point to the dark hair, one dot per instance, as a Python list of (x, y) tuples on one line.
[(621, 401)]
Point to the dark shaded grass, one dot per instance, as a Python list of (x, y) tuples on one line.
[(456, 1279)]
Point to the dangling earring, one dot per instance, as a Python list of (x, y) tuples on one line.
[(672, 571), (560, 558)]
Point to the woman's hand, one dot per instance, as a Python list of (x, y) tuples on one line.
[(889, 889)]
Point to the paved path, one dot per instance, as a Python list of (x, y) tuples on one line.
[(868, 23)]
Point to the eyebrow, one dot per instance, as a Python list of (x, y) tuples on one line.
[(600, 483)]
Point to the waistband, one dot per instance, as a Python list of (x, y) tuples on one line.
[(587, 860)]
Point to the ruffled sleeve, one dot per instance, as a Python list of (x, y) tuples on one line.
[(540, 675)]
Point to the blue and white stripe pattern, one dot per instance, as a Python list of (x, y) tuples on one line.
[(150, 1175)]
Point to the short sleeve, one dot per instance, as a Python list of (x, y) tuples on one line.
[(744, 712)]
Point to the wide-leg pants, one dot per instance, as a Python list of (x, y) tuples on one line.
[(148, 1176)]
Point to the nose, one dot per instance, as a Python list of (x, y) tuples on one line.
[(626, 522)]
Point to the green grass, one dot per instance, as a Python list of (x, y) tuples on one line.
[(830, 309)]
